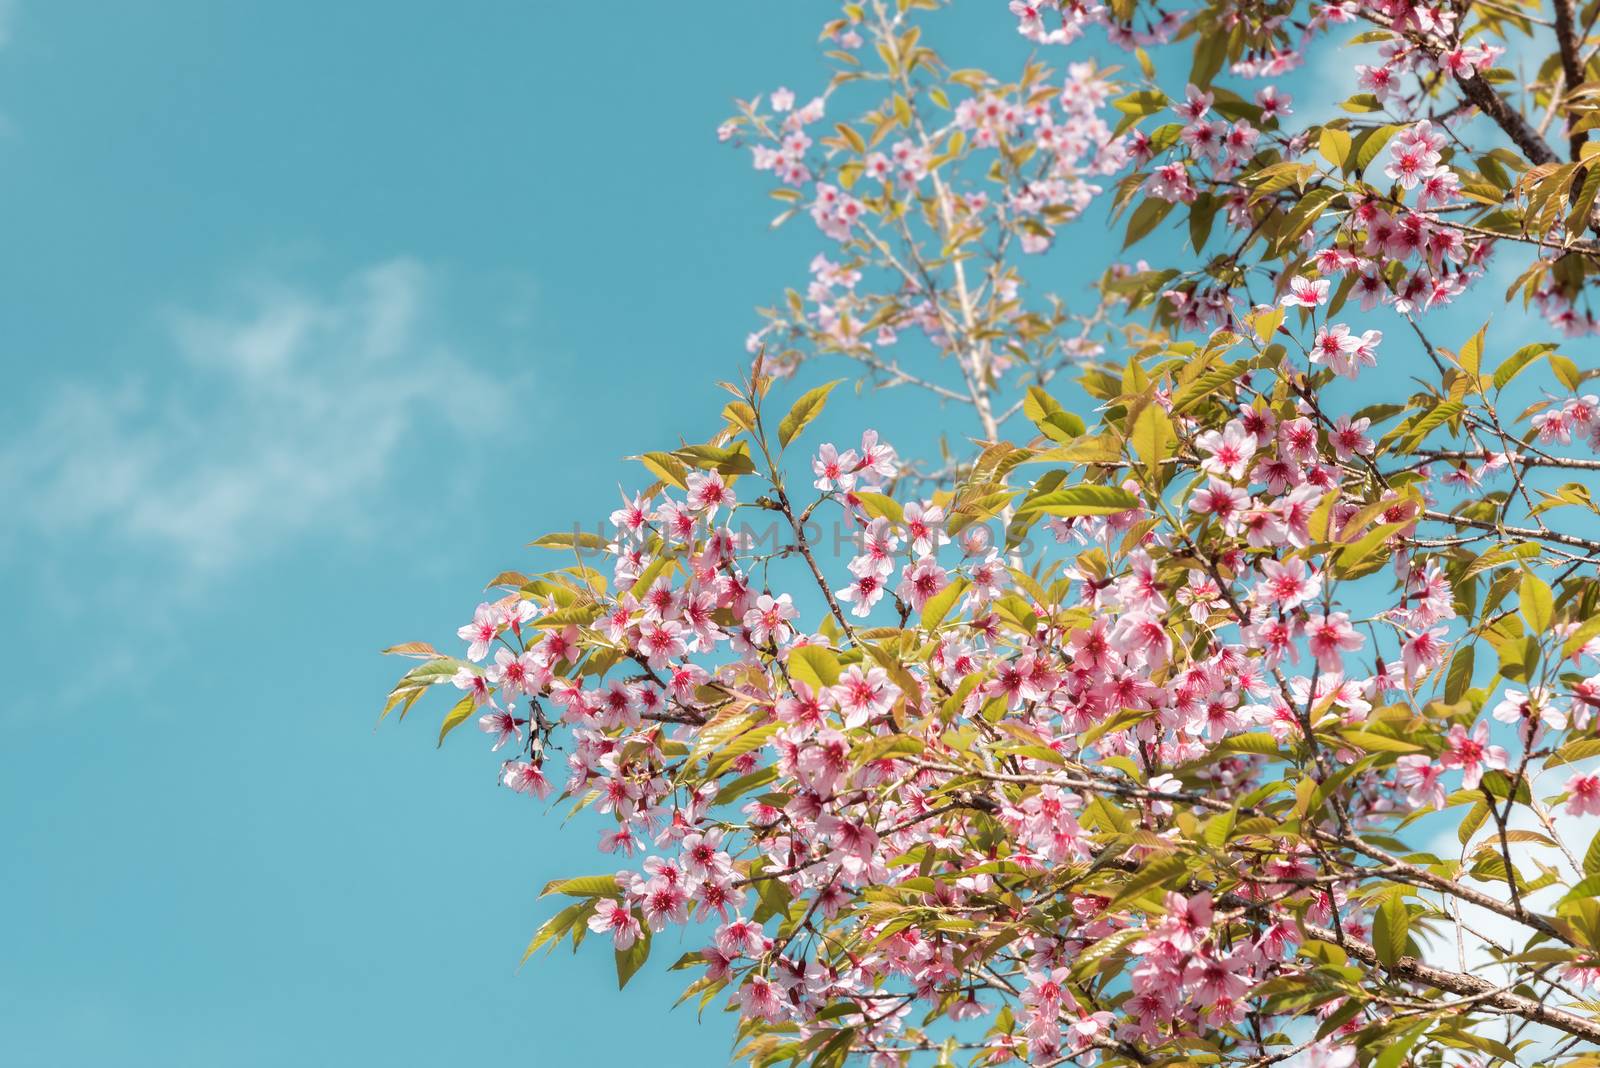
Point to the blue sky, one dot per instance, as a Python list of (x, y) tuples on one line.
[(313, 315)]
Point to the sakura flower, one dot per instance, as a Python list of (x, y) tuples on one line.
[(525, 777), (925, 528), (921, 581), (1288, 585), (1472, 753), (708, 492), (834, 469), (862, 594), (1518, 707), (1229, 451), (613, 918), (1424, 651), (503, 726), (1329, 636), (475, 684), (1306, 292), (1583, 795), (1421, 776), (481, 632), (863, 695), (768, 621)]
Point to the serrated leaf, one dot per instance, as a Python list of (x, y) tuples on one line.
[(1083, 500), (1518, 361), (1536, 602), (583, 886), (1152, 436), (889, 745), (630, 960), (814, 665), (939, 605), (1389, 930), (575, 539), (807, 408), (458, 714)]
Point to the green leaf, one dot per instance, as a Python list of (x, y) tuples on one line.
[(1580, 637), (1370, 144), (1471, 355), (1591, 859), (583, 886), (1211, 381), (1379, 743), (574, 540), (1389, 930), (457, 716), (1472, 821), (414, 683), (1083, 500), (805, 409), (889, 745), (814, 665), (1146, 218), (1394, 1052), (1564, 368), (630, 960), (939, 605), (1152, 436), (1038, 405), (556, 927), (881, 506), (1159, 871), (1459, 678), (1259, 742), (667, 467), (1335, 146), (1518, 361), (1538, 607)]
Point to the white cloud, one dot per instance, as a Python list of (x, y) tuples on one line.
[(282, 416)]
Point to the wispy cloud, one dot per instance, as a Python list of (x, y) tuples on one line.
[(280, 415)]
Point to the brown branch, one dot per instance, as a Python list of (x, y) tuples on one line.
[(1571, 66), (1493, 105), (1520, 532), (1410, 969)]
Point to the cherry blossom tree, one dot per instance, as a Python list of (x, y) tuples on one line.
[(1190, 707)]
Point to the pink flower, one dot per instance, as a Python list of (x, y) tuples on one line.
[(1287, 585), (863, 695), (1229, 451), (481, 632), (1225, 502), (1584, 795), (833, 468), (760, 998), (525, 777), (1471, 753), (1330, 636), (1424, 651), (921, 582), (707, 492), (611, 916), (768, 621), (862, 594), (503, 726), (475, 684), (1421, 776), (1306, 292), (925, 528), (1350, 438)]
